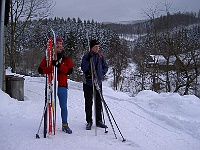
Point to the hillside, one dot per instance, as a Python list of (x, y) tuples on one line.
[(161, 23)]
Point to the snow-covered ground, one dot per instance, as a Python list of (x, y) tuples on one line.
[(148, 121)]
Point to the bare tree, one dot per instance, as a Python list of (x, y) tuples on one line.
[(118, 59), (188, 73), (21, 11)]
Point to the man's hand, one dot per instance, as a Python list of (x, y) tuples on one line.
[(90, 54)]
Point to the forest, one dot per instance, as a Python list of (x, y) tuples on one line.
[(133, 51)]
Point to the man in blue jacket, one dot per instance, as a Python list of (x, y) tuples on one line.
[(101, 68)]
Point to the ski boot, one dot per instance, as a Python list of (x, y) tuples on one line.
[(66, 128)]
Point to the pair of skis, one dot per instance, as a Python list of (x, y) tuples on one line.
[(49, 113)]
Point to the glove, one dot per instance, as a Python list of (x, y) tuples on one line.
[(90, 54), (56, 63)]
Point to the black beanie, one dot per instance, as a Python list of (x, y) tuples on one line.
[(93, 43)]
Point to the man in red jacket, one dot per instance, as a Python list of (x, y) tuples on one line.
[(64, 67)]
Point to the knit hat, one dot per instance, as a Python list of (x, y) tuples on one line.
[(59, 39), (93, 43)]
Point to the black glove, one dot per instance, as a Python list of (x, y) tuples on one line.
[(90, 54), (56, 63), (60, 55)]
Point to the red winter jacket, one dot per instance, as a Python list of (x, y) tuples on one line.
[(65, 69)]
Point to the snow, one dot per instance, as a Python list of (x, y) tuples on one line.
[(9, 73), (148, 121)]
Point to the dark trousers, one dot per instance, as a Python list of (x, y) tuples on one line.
[(88, 95)]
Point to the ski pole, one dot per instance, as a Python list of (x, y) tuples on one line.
[(98, 88), (93, 86), (106, 106), (45, 114), (55, 80), (104, 120), (114, 120), (44, 111), (94, 92)]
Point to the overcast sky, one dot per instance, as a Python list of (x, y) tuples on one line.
[(118, 10)]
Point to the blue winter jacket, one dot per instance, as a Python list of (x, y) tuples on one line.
[(100, 65)]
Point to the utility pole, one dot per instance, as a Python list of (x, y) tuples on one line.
[(2, 18)]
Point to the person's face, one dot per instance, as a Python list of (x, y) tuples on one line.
[(95, 48), (59, 46)]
